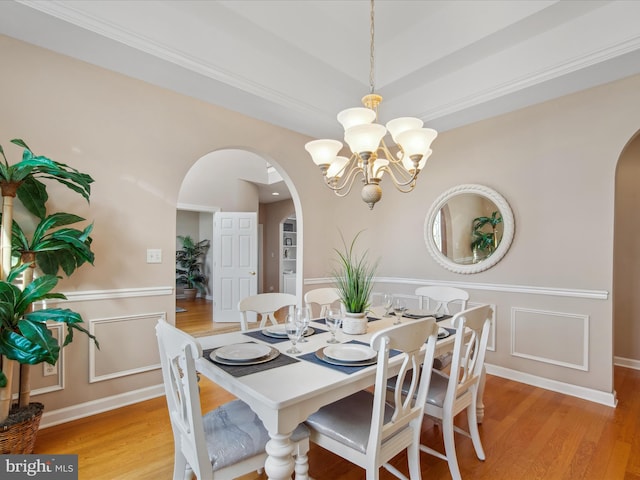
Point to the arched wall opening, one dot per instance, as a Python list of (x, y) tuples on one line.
[(228, 180), (626, 257)]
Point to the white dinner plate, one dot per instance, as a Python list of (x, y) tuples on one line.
[(443, 333), (349, 352), (242, 352), (416, 313), (273, 353), (278, 331), (321, 356)]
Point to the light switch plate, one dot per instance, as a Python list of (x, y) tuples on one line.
[(49, 370), (154, 255)]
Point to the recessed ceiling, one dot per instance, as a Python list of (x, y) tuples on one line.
[(297, 63)]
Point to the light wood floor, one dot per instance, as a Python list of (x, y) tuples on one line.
[(528, 433)]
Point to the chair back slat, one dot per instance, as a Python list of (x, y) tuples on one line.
[(469, 353), (264, 305), (178, 352), (408, 338), (439, 298), (323, 297)]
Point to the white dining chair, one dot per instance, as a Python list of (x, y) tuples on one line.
[(368, 430), (449, 395), (265, 305), (323, 297), (227, 442), (438, 298)]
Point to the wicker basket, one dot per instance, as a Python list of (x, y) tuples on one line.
[(18, 433)]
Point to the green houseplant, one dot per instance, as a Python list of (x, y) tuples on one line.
[(189, 266), (354, 280), (24, 336), (483, 241)]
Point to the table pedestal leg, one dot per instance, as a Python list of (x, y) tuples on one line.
[(302, 463), (279, 464)]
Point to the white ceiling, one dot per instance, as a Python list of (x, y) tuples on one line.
[(297, 63)]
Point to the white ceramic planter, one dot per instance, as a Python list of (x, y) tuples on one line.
[(354, 323)]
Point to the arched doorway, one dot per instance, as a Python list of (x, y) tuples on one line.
[(626, 258), (236, 180)]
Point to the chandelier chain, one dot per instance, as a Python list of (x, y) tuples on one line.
[(371, 53), (370, 157)]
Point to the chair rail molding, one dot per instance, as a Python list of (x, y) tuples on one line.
[(495, 287)]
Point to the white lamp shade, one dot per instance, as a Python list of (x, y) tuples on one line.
[(323, 152), (416, 141), (336, 170), (364, 138), (356, 116), (408, 163), (377, 167), (402, 124)]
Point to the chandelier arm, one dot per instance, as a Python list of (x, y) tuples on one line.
[(346, 183), (399, 184), (388, 155)]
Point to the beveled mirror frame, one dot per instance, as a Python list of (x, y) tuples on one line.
[(503, 246)]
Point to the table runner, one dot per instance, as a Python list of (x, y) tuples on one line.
[(242, 370)]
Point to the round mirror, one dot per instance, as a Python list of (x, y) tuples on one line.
[(469, 228)]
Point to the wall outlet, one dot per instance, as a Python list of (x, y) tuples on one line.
[(48, 370), (154, 255)]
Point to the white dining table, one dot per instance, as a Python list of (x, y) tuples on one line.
[(285, 396)]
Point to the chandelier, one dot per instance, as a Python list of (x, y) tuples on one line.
[(371, 157)]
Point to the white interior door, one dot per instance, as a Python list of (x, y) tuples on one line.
[(235, 264)]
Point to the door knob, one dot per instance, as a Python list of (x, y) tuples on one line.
[(252, 273)]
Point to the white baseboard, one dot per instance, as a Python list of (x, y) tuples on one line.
[(627, 362), (67, 414), (604, 398)]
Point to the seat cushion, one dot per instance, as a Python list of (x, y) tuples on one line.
[(234, 432), (348, 420), (437, 388)]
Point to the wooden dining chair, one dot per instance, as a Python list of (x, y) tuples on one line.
[(226, 442), (368, 430), (323, 297), (439, 297), (265, 305), (449, 395)]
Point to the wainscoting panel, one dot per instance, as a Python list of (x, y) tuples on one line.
[(120, 352), (551, 337)]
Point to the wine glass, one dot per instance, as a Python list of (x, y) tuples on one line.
[(398, 308), (303, 315), (387, 303), (294, 331), (333, 320)]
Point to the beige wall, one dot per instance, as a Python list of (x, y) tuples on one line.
[(554, 163)]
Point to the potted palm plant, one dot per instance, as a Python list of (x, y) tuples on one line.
[(24, 336), (189, 266), (483, 242), (354, 280)]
